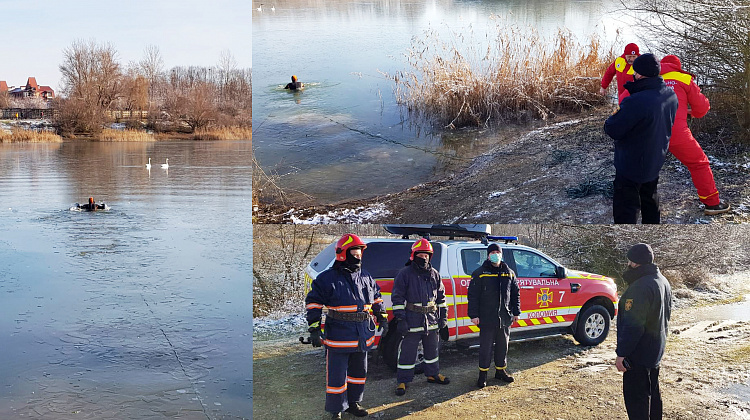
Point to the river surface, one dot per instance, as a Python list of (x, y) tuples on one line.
[(140, 311), (344, 136)]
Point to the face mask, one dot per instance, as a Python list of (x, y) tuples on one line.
[(494, 258), (421, 262), (352, 262)]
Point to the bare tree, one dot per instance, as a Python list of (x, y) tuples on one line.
[(152, 67), (92, 81)]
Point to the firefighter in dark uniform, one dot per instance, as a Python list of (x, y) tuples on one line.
[(642, 324), (419, 306), (349, 293), (494, 305)]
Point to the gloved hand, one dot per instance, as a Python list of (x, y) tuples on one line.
[(442, 323), (382, 319), (403, 327), (315, 339)]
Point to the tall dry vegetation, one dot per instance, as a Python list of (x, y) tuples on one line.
[(518, 75), (19, 135)]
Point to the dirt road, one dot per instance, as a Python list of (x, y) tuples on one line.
[(708, 350), (561, 173)]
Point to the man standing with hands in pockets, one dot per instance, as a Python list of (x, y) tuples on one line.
[(494, 305), (642, 324)]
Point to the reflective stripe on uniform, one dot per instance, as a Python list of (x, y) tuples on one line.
[(355, 380), (314, 306), (678, 76), (344, 344), (396, 307), (432, 360), (398, 357), (483, 369), (339, 390)]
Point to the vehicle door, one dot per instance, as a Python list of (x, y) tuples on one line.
[(544, 297), (466, 258)]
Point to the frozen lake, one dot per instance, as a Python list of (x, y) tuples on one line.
[(141, 311)]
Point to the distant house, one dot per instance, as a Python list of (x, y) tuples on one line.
[(31, 90), (3, 86)]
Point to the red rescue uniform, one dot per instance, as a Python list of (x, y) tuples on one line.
[(621, 69), (682, 144)]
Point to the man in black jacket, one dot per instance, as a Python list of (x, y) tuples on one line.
[(641, 129), (494, 305), (642, 324)]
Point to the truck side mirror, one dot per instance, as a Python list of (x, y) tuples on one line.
[(561, 272)]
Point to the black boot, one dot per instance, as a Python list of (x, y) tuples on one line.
[(356, 409), (503, 375), (482, 381), (336, 416)]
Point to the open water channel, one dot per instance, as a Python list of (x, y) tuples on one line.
[(140, 311), (344, 136)]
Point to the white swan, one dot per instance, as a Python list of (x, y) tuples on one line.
[(273, 8), (165, 165), (148, 165), (260, 8)]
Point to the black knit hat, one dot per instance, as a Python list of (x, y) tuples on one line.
[(647, 65), (493, 247), (641, 254)]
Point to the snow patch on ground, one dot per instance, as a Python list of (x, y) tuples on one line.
[(499, 193), (279, 325), (357, 215)]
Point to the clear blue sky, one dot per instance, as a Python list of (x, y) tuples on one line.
[(187, 32)]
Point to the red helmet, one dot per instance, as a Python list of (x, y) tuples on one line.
[(422, 245), (348, 240)]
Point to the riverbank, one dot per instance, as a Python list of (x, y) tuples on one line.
[(560, 173), (702, 369), (43, 131)]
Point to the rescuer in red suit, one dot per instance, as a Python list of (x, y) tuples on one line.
[(623, 68), (682, 144)]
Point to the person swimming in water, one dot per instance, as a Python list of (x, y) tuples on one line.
[(295, 85), (92, 206)]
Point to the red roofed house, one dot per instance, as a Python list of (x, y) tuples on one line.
[(3, 86), (32, 89)]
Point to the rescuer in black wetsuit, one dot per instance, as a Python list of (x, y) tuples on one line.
[(295, 85), (92, 206)]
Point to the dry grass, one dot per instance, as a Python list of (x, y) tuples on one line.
[(224, 133), (125, 135), (519, 76), (20, 135)]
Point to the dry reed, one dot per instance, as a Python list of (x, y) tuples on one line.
[(224, 133), (519, 76), (20, 135), (125, 135)]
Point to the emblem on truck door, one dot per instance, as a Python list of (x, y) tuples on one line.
[(544, 297)]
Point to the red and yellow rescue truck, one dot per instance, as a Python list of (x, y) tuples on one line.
[(555, 300)]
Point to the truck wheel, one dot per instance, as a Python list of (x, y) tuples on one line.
[(593, 325), (389, 350)]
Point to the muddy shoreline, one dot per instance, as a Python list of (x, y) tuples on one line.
[(560, 173), (555, 377)]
